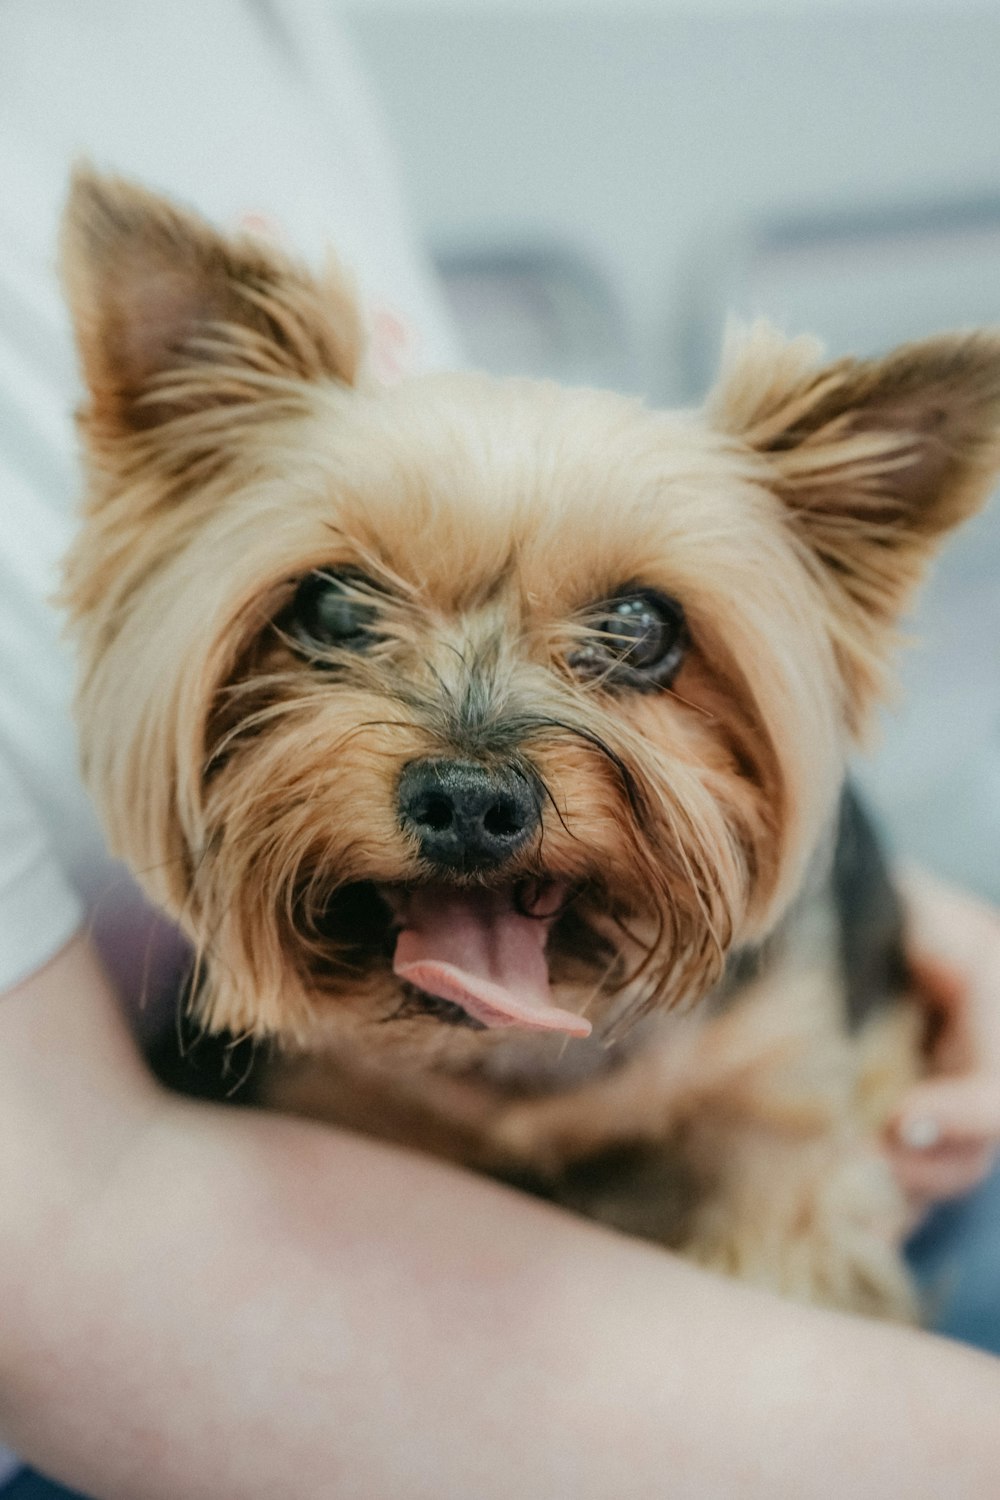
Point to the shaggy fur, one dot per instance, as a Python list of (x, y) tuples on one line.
[(235, 444)]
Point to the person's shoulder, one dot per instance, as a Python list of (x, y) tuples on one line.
[(39, 910)]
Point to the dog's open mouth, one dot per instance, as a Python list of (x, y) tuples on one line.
[(482, 950), (470, 955)]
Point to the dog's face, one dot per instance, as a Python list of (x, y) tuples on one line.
[(464, 707)]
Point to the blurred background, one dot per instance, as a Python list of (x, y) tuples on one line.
[(602, 183)]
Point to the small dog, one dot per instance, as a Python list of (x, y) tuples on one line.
[(488, 738)]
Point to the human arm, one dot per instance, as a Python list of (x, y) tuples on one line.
[(200, 1302), (945, 1136)]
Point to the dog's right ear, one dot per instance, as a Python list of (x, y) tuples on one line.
[(171, 317), (875, 460)]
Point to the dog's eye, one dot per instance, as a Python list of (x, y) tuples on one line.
[(333, 610), (637, 638)]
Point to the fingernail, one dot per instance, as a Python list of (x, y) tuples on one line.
[(921, 1132)]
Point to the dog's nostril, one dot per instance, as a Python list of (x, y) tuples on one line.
[(502, 820), (435, 813)]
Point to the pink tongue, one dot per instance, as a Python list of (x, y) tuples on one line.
[(473, 948)]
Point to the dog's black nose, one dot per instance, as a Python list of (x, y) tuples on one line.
[(465, 816)]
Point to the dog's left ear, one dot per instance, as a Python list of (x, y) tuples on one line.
[(172, 317), (874, 460)]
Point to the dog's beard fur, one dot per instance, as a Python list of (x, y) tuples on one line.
[(235, 444)]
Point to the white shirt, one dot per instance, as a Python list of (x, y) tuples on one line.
[(239, 110)]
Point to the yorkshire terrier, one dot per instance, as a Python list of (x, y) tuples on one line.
[(488, 738)]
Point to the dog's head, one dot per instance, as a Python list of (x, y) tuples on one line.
[(468, 705)]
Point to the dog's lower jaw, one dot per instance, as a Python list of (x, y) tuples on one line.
[(453, 971)]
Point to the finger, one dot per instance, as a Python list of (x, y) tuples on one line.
[(949, 1111), (953, 950), (941, 985), (947, 924), (949, 1172)]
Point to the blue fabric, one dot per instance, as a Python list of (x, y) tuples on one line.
[(956, 1257), (28, 1486)]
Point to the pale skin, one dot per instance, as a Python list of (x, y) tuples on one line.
[(207, 1303), (945, 1137)]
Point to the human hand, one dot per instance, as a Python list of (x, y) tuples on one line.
[(945, 1136)]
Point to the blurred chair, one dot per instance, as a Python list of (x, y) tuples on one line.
[(543, 311), (862, 281)]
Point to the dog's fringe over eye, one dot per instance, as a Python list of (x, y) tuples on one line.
[(333, 611), (637, 638)]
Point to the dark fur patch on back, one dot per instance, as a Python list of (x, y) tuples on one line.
[(870, 928), (205, 1065), (637, 1188), (869, 915)]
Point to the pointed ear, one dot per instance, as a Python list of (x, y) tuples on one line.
[(875, 461), (171, 316)]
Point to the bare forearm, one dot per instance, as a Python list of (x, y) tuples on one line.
[(74, 1095), (242, 1306), (286, 1312)]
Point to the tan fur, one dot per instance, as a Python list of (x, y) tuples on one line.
[(234, 445)]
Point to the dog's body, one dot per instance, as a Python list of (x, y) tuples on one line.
[(740, 1132), (488, 738)]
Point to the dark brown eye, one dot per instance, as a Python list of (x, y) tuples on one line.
[(333, 611), (637, 639)]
